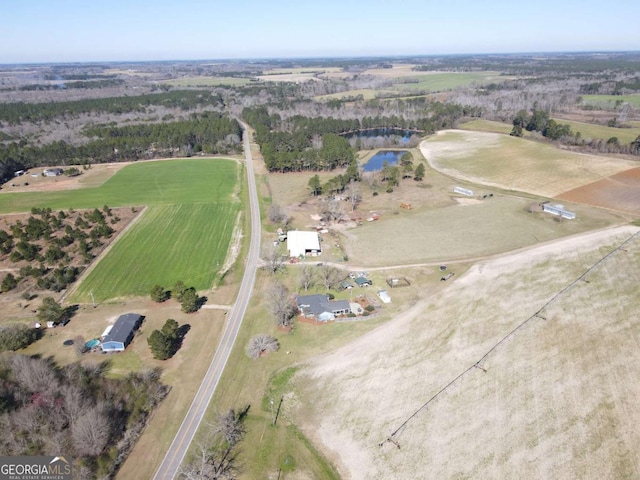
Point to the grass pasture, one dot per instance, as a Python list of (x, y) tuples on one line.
[(590, 131), (610, 101), (457, 232), (169, 243), (555, 401), (183, 235), (515, 163), (439, 81), (487, 126)]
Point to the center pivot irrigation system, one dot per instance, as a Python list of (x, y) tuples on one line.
[(393, 438)]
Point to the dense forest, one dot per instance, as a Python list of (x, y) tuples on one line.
[(210, 133), (20, 112)]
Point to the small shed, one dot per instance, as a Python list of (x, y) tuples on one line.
[(121, 335), (384, 296), (345, 285), (363, 282), (463, 191)]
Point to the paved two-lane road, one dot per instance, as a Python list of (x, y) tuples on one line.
[(171, 463)]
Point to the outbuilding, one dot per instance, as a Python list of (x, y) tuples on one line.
[(121, 335), (363, 282), (302, 243), (384, 296), (52, 172)]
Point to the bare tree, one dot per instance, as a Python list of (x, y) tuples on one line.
[(34, 374), (277, 215), (217, 452), (280, 304), (332, 209), (91, 431), (330, 276), (273, 259), (260, 344), (307, 277), (74, 403), (354, 193)]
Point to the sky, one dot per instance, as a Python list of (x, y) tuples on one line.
[(47, 31)]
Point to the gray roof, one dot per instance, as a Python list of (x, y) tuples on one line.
[(122, 329), (362, 281), (316, 304)]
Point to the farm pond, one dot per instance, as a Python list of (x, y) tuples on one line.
[(375, 163)]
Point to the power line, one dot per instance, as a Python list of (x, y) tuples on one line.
[(477, 365)]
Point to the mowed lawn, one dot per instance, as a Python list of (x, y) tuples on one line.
[(184, 234), (516, 163)]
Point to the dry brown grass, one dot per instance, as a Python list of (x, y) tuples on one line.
[(516, 164), (557, 398)]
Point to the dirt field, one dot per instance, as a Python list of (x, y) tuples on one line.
[(618, 192), (93, 177), (516, 164), (559, 399)]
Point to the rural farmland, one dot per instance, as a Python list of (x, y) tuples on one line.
[(515, 163), (191, 212), (553, 400)]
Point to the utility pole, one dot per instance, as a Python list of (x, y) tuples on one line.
[(273, 418), (93, 300)]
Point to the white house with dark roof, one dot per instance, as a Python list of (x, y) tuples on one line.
[(321, 308), (121, 335)]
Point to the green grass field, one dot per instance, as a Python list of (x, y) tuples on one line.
[(169, 243), (183, 235), (589, 130), (446, 81), (609, 101), (206, 81)]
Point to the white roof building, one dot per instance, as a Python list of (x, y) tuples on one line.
[(301, 243), (384, 296)]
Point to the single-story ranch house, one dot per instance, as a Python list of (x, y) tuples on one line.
[(321, 308), (301, 243), (120, 336)]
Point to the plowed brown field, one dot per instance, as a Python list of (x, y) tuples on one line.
[(617, 192)]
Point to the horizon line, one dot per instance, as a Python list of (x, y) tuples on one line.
[(323, 57)]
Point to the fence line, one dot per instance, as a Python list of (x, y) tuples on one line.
[(478, 364)]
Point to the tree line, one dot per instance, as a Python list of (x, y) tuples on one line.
[(539, 121), (208, 132), (19, 112)]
